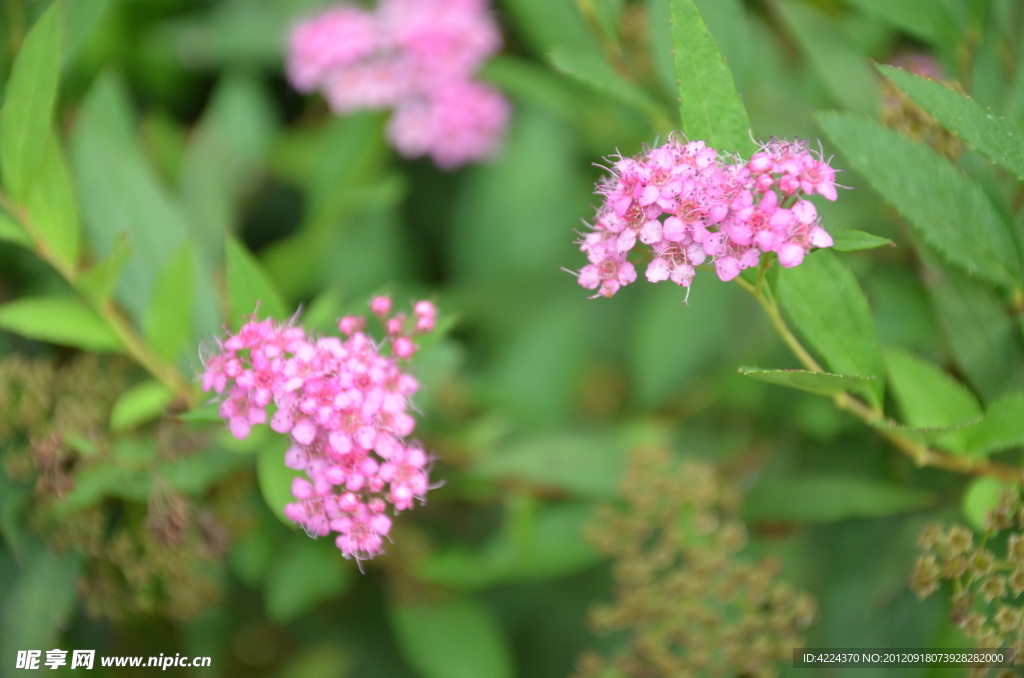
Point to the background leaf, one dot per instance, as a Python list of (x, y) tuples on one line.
[(120, 193), (140, 405), (839, 63), (711, 109), (167, 323), (97, 283), (804, 380), (930, 398), (828, 499), (982, 336), (949, 210), (453, 639), (249, 288), (53, 208), (595, 72), (275, 479), (302, 575), (40, 602), (670, 343), (1002, 427), (28, 104), (850, 240), (583, 465), (996, 137), (826, 304), (59, 320)]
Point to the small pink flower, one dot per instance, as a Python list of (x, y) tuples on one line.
[(688, 204), (344, 405)]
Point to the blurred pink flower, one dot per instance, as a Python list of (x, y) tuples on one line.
[(418, 57)]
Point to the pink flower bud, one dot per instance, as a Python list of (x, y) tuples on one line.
[(380, 306), (404, 348)]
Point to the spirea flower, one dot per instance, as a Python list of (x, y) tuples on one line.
[(344, 402), (417, 57), (690, 206)]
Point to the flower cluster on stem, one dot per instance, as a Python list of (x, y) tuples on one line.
[(690, 205), (345, 404), (417, 57)]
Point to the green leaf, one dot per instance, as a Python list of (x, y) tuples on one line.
[(79, 19), (249, 288), (829, 499), (981, 496), (121, 194), (140, 405), (550, 545), (850, 240), (842, 67), (930, 21), (984, 339), (14, 530), (995, 137), (59, 320), (11, 231), (275, 479), (207, 414), (53, 207), (659, 31), (1002, 427), (28, 104), (930, 398), (584, 465), (828, 307), (671, 343), (38, 606), (223, 157), (103, 480), (926, 394), (195, 474), (546, 24), (304, 574), (821, 383), (455, 639), (97, 284), (947, 208), (609, 15), (711, 109), (167, 324), (594, 71)]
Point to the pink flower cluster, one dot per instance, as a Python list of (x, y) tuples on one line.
[(345, 403), (690, 206), (417, 57)]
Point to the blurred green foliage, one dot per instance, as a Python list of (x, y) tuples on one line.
[(172, 180)]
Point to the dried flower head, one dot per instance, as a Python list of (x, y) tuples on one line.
[(690, 602), (984, 604)]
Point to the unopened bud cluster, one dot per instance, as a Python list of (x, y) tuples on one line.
[(345, 405), (690, 602), (690, 205), (418, 57), (987, 573)]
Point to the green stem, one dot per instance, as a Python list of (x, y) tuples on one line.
[(162, 370), (921, 454)]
